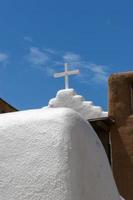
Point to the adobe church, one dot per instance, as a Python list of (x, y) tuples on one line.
[(114, 131)]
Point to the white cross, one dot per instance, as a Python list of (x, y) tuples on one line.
[(66, 74)]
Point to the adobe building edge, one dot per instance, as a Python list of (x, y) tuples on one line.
[(121, 109)]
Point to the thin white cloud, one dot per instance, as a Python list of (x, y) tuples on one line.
[(3, 57), (37, 57), (27, 38), (71, 57), (50, 71), (89, 71), (108, 22), (50, 51), (48, 60), (99, 72)]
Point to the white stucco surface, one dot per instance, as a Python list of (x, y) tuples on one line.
[(68, 98), (52, 154)]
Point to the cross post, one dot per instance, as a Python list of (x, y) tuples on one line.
[(66, 74)]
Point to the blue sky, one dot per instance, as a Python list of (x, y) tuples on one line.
[(38, 36)]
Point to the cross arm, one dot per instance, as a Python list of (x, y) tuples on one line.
[(61, 74)]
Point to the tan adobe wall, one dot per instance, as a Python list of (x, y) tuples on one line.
[(121, 109)]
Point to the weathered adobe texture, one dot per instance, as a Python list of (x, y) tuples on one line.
[(121, 109)]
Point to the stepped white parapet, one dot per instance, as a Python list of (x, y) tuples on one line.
[(69, 99), (52, 154)]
